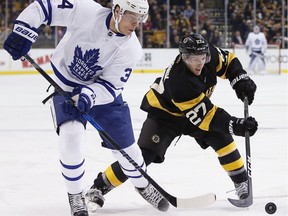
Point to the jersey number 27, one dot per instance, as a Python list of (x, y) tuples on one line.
[(193, 114)]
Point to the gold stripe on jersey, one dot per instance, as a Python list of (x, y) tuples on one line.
[(154, 102), (231, 56), (227, 149), (208, 118), (233, 165), (219, 66), (222, 69), (189, 104), (112, 177)]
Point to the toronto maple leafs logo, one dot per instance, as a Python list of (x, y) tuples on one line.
[(84, 67)]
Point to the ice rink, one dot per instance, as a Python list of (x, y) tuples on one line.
[(30, 179)]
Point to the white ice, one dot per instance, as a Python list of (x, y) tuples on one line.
[(31, 183)]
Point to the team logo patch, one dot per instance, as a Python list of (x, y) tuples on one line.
[(155, 138), (185, 40), (84, 67)]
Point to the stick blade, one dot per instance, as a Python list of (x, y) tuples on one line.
[(196, 202), (243, 203)]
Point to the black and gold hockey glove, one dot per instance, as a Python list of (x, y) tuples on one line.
[(244, 86)]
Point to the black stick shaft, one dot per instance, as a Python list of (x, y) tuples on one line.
[(248, 150)]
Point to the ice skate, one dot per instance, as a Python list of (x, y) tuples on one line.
[(94, 196), (154, 197), (242, 189), (94, 199), (77, 205)]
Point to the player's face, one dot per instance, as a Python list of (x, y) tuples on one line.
[(195, 63), (129, 22)]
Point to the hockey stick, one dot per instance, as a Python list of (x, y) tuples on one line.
[(195, 202), (249, 200)]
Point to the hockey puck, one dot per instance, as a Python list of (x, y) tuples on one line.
[(270, 208)]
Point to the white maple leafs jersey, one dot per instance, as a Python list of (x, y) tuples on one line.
[(256, 42), (89, 53)]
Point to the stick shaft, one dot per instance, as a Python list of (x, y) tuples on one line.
[(248, 150)]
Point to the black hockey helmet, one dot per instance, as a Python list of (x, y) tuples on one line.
[(194, 44)]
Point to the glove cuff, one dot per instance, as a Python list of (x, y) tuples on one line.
[(90, 94), (24, 30), (239, 78), (231, 124)]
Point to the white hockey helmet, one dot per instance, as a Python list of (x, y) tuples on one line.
[(135, 6)]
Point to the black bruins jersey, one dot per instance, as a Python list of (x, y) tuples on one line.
[(181, 94)]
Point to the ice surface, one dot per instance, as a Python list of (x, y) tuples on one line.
[(31, 183)]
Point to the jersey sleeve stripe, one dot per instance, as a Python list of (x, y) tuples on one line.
[(154, 102), (63, 79), (207, 119), (108, 84), (107, 87), (50, 12), (189, 104), (48, 17)]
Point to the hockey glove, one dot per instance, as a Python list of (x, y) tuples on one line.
[(84, 99), (239, 126), (244, 87), (19, 42)]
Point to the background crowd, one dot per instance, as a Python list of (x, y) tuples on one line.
[(169, 20)]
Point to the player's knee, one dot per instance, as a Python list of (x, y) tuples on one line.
[(71, 127), (71, 138), (134, 153)]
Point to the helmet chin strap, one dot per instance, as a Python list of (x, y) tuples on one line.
[(117, 21)]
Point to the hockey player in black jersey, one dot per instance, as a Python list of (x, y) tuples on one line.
[(178, 104)]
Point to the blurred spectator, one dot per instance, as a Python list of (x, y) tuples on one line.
[(174, 38), (202, 13), (215, 38), (159, 39), (281, 41), (2, 17), (3, 34), (158, 23), (189, 12), (204, 34), (147, 26), (47, 32), (183, 24), (148, 41), (237, 38), (46, 38), (277, 39), (60, 32)]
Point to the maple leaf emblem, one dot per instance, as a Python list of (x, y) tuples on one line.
[(85, 67)]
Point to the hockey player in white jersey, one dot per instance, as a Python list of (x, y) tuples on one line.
[(92, 63), (256, 46)]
